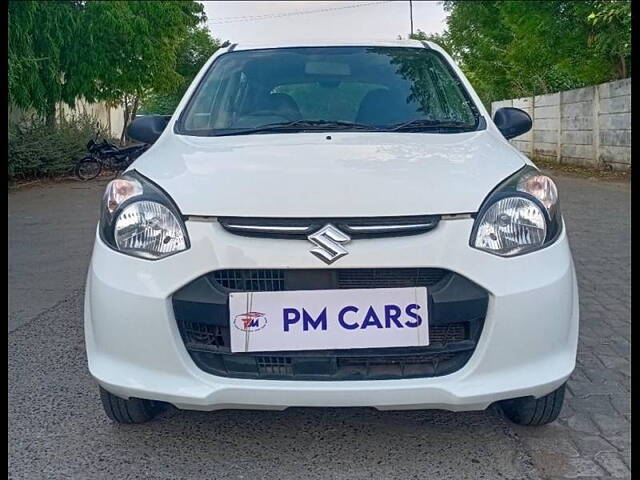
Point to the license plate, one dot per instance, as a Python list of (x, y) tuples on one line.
[(328, 319)]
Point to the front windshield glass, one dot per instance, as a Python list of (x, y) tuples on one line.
[(328, 88)]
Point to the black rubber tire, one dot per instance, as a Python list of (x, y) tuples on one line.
[(134, 410), (534, 411), (83, 163)]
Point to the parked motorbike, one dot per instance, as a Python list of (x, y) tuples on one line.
[(105, 155)]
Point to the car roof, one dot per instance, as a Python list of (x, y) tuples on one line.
[(332, 43)]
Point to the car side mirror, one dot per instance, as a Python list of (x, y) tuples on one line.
[(148, 128), (512, 121)]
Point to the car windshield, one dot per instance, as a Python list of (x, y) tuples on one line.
[(329, 88)]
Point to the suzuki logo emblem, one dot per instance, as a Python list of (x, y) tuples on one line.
[(329, 241)]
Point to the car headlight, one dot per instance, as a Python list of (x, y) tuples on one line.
[(140, 219), (520, 216)]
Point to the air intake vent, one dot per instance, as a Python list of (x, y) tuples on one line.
[(276, 280), (389, 277), (250, 280)]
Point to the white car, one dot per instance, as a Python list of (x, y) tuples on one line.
[(331, 225)]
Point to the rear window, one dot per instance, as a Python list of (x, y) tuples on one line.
[(381, 87)]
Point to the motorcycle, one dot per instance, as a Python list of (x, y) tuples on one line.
[(107, 156)]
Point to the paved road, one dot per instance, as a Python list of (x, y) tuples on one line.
[(57, 428), (51, 232)]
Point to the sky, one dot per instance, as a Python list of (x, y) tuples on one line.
[(258, 21)]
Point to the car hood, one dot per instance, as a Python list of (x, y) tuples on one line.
[(336, 174)]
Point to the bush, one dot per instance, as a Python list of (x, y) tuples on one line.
[(37, 150)]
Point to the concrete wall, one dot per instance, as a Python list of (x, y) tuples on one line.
[(111, 117), (587, 126)]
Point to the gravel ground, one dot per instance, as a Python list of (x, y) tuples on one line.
[(57, 428)]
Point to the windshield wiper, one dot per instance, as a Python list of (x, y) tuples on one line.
[(428, 124), (298, 125)]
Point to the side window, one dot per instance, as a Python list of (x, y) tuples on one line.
[(239, 99), (201, 110), (219, 99), (225, 109)]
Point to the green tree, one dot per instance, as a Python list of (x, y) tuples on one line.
[(611, 36), (131, 49), (112, 51), (520, 48), (192, 53), (437, 38), (39, 33)]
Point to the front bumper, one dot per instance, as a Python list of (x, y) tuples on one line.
[(527, 346)]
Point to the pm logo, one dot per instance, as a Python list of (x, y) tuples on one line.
[(250, 321), (329, 241)]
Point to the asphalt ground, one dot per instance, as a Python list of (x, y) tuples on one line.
[(57, 428)]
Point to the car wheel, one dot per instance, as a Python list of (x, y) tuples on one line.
[(134, 410), (534, 411)]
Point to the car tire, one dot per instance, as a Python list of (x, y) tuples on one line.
[(134, 410), (534, 411)]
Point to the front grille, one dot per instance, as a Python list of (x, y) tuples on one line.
[(355, 227), (457, 308)]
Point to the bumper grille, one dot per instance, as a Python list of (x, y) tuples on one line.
[(389, 278), (201, 336), (273, 280), (274, 366), (250, 280), (457, 308), (401, 366)]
